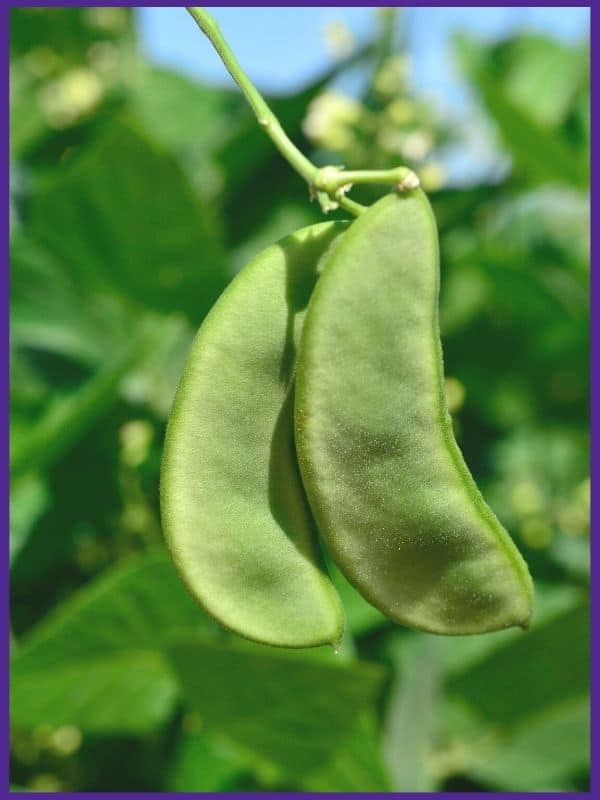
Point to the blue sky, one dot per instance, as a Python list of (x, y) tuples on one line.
[(283, 48)]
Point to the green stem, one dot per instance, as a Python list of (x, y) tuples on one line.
[(266, 118), (331, 178), (328, 184)]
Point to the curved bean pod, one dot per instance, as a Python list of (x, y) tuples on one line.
[(391, 493), (234, 511)]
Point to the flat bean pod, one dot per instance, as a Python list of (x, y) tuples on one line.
[(387, 483), (234, 510)]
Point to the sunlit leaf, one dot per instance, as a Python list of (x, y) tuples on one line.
[(541, 754), (96, 662), (356, 766), (561, 646), (288, 708)]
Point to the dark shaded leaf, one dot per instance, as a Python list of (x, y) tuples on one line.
[(122, 214)]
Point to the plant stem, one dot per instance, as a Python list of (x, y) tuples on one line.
[(327, 184), (266, 118)]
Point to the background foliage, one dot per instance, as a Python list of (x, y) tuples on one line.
[(133, 201)]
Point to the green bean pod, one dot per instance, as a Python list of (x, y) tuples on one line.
[(388, 486), (234, 511)]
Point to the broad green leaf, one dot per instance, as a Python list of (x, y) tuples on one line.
[(187, 118), (286, 707), (547, 666), (356, 766), (96, 662), (122, 214), (412, 713), (51, 311), (123, 692), (541, 75), (461, 653), (541, 754), (133, 606), (543, 154), (182, 112)]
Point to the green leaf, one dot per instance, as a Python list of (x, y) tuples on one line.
[(96, 661), (356, 766), (461, 653), (286, 707), (68, 415), (541, 754), (68, 31), (122, 214), (133, 606), (541, 75), (547, 666), (27, 122), (125, 692), (29, 498), (191, 120), (51, 311), (543, 154), (201, 764)]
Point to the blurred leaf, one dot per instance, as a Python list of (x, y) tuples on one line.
[(123, 214), (153, 379), (66, 65), (201, 764), (27, 122), (561, 646), (68, 31), (67, 416), (125, 692), (356, 766), (547, 227), (412, 713), (189, 119), (543, 154), (540, 754), (50, 310), (573, 554), (29, 498), (289, 709), (461, 653), (96, 661), (130, 607), (541, 75)]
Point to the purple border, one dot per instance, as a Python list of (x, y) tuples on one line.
[(4, 42), (595, 455)]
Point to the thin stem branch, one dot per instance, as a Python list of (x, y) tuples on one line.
[(266, 118), (328, 184)]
